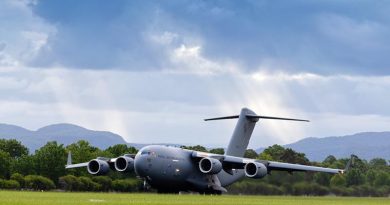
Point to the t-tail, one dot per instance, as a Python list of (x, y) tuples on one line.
[(243, 130)]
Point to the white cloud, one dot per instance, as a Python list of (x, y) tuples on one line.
[(166, 38), (169, 107)]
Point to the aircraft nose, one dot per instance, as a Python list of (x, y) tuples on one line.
[(140, 165)]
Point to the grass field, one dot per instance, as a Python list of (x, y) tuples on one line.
[(54, 198)]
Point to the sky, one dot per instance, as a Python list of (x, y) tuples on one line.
[(151, 71)]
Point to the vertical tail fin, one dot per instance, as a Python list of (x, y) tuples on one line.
[(243, 130), (241, 134), (69, 162)]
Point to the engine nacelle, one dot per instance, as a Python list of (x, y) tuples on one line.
[(124, 164), (210, 166), (255, 170), (98, 167)]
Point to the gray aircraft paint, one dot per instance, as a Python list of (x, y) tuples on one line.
[(242, 134), (172, 169)]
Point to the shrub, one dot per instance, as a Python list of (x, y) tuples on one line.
[(88, 185), (366, 190), (104, 181), (319, 190), (314, 189), (384, 191), (340, 191), (19, 178), (126, 185), (11, 184), (70, 183), (248, 187), (37, 182)]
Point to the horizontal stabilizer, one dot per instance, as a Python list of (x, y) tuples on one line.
[(274, 118), (223, 118), (250, 116)]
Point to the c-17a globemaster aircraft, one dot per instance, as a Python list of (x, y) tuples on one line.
[(172, 169)]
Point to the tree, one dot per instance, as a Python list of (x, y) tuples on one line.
[(378, 163), (121, 149), (322, 178), (338, 180), (218, 151), (329, 160), (382, 179), (370, 176), (265, 156), (82, 151), (196, 148), (291, 156), (354, 177), (50, 160), (250, 153), (5, 163), (275, 151), (24, 165), (13, 147)]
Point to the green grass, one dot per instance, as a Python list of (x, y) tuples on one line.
[(66, 198)]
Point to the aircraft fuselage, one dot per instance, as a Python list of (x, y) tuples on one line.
[(173, 169)]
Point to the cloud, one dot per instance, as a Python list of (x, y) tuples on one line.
[(321, 37), (22, 34), (168, 106), (151, 71)]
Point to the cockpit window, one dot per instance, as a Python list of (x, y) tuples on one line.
[(145, 152)]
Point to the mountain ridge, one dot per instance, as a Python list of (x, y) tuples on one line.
[(366, 145), (63, 133)]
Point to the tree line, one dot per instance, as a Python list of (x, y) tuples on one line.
[(44, 170)]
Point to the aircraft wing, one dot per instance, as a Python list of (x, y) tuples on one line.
[(70, 165), (298, 167), (231, 162)]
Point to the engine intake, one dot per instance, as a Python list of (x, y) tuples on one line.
[(124, 164), (255, 170), (210, 166), (98, 167)]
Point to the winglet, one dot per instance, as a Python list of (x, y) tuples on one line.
[(69, 162), (349, 165)]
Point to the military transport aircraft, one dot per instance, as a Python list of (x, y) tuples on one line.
[(172, 169)]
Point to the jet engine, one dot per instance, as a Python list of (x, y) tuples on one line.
[(210, 166), (98, 167), (124, 164), (255, 170)]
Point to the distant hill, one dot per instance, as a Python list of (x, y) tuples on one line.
[(366, 145), (62, 133)]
